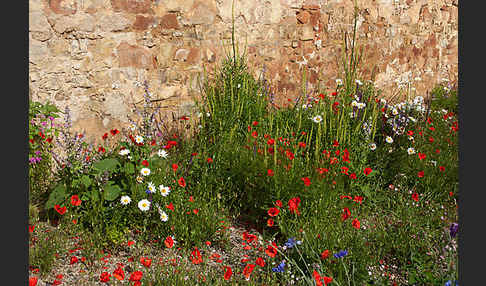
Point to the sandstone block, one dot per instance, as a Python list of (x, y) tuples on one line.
[(134, 56), (202, 13), (169, 21), (307, 33), (303, 17), (181, 55), (132, 6), (142, 23), (63, 7), (113, 22)]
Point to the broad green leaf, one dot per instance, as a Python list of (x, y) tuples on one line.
[(86, 181), (111, 192), (130, 168), (106, 164), (57, 196), (95, 196)]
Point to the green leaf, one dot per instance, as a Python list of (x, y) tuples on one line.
[(106, 164), (95, 195), (86, 181), (111, 192), (56, 196), (130, 168)]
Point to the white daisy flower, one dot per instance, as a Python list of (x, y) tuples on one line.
[(410, 138), (354, 103), (144, 205), (388, 139), (162, 153), (151, 187), (139, 179), (164, 191), (139, 139), (125, 200), (410, 151), (339, 81), (394, 111), (124, 152), (359, 82), (383, 101), (361, 105), (132, 127), (163, 216), (372, 146), (208, 114), (145, 171), (317, 119), (239, 85)]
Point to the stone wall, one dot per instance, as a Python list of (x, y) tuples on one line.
[(92, 55)]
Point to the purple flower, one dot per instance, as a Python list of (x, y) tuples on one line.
[(341, 253), (453, 229)]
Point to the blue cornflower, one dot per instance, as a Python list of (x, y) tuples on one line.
[(453, 229), (148, 191), (449, 283), (341, 253), (280, 267), (290, 242)]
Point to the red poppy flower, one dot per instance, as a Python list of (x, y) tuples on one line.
[(248, 270), (358, 199), (75, 201), (306, 180), (325, 254), (422, 156), (105, 277), (101, 149), (228, 273), (60, 210), (196, 257), (367, 171), (119, 274), (431, 140), (415, 197), (352, 176), (210, 160), (33, 281), (182, 182), (195, 211), (255, 123), (31, 228), (191, 199), (410, 133), (271, 250), (442, 168), (345, 197), (344, 170), (273, 212), (327, 280), (114, 131), (294, 205), (145, 163), (136, 276), (170, 206), (169, 242), (346, 214), (254, 134), (130, 242), (49, 140), (420, 174), (322, 170), (334, 160), (270, 173), (73, 260), (270, 222), (278, 203), (175, 167), (289, 155), (335, 143), (260, 262), (322, 96), (105, 136), (317, 278), (270, 142), (345, 155), (355, 223), (302, 144), (145, 261)]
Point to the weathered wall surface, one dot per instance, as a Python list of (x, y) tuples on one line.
[(91, 54)]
